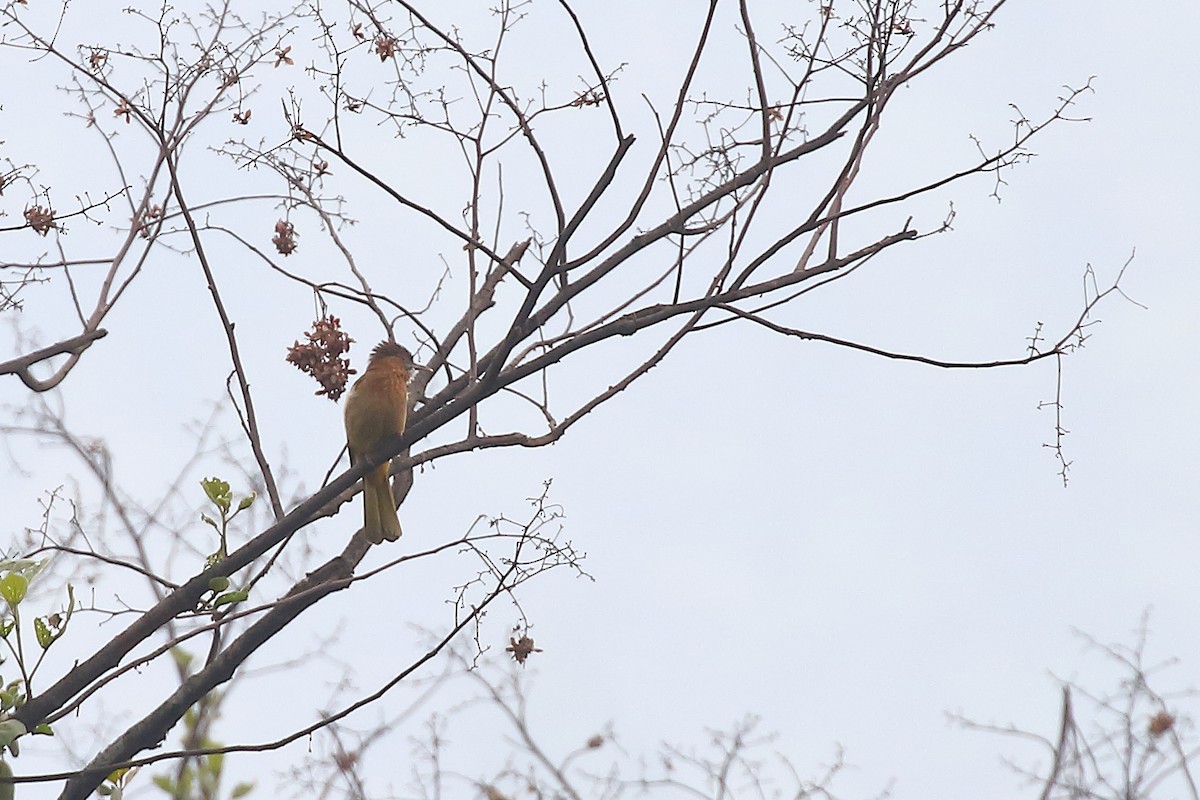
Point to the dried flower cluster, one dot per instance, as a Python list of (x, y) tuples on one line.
[(324, 356), (1160, 723), (521, 649), (141, 222), (40, 219), (385, 46), (285, 237)]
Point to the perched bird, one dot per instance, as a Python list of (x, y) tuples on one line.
[(376, 409)]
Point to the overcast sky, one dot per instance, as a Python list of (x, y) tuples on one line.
[(846, 546)]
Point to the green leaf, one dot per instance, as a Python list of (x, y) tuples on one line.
[(13, 587), (247, 501), (40, 629), (231, 597), (24, 566), (185, 782), (7, 790), (165, 783), (206, 782), (43, 729), (210, 521), (241, 790), (10, 729), (218, 492), (182, 657), (219, 583), (6, 627), (59, 622)]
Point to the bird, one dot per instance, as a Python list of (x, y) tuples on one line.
[(376, 409)]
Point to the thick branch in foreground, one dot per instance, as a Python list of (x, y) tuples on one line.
[(508, 573), (183, 599), (151, 730)]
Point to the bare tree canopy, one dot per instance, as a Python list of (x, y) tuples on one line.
[(485, 186)]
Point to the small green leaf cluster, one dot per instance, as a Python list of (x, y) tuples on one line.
[(16, 576), (203, 780), (114, 785), (199, 776), (221, 496)]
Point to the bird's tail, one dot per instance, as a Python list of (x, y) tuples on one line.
[(379, 510)]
